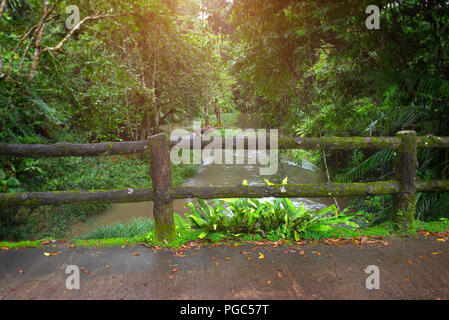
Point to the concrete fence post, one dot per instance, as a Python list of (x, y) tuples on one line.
[(161, 176), (406, 164)]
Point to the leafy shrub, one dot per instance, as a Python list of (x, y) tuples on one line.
[(278, 219)]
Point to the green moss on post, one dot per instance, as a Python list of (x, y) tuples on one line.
[(161, 177), (406, 165)]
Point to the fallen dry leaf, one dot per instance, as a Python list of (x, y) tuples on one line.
[(301, 253), (107, 266), (243, 252), (249, 258), (214, 258), (410, 262), (170, 276), (279, 275), (269, 281), (5, 248), (136, 254), (436, 252), (175, 270), (21, 271), (85, 271), (261, 256), (227, 259), (317, 253), (406, 279), (442, 240), (145, 244), (217, 263), (421, 257)]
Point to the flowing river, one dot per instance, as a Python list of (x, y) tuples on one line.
[(211, 174)]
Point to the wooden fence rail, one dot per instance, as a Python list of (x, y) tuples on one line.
[(403, 187)]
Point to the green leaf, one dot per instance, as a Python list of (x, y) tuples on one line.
[(297, 238), (203, 235), (13, 182)]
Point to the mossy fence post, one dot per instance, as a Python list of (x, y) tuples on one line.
[(406, 164), (161, 176)]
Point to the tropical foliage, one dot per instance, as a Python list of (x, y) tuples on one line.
[(128, 69), (280, 217)]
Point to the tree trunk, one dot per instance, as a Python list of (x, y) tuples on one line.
[(37, 46), (218, 114), (207, 120)]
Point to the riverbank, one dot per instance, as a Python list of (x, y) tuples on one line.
[(74, 173)]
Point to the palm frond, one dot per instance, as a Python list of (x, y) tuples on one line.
[(380, 158)]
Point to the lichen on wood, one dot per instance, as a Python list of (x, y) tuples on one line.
[(406, 165), (161, 176)]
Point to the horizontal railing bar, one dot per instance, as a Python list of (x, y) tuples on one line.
[(63, 149), (432, 186), (320, 190), (184, 192), (65, 197), (132, 147)]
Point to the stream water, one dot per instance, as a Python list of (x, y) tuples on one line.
[(211, 174)]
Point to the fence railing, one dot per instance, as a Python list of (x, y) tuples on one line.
[(403, 187)]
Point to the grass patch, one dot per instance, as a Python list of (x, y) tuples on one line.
[(21, 244), (135, 227), (110, 242), (186, 234)]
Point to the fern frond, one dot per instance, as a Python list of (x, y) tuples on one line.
[(377, 159)]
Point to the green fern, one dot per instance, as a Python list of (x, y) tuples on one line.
[(380, 158)]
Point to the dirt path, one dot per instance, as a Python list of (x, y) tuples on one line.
[(415, 268)]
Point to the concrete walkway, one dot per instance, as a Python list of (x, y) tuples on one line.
[(415, 268)]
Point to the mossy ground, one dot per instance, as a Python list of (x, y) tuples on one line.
[(385, 229)]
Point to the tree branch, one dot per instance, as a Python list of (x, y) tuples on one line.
[(2, 7), (69, 35)]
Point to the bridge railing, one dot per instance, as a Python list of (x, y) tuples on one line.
[(403, 187)]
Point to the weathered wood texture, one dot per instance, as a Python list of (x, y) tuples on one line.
[(123, 148), (292, 191), (68, 149), (406, 164), (140, 195), (403, 189), (161, 176), (76, 196)]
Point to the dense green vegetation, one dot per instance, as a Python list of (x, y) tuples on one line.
[(313, 68), (133, 68)]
